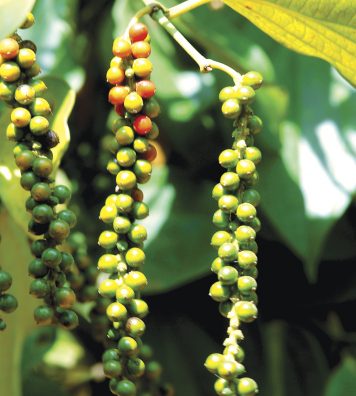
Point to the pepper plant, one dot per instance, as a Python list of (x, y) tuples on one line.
[(198, 149)]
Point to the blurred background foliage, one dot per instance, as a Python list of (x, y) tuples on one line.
[(305, 340)]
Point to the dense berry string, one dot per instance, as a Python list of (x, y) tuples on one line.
[(128, 362), (237, 221), (30, 129)]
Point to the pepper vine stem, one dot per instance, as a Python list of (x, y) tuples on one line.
[(160, 14), (185, 7)]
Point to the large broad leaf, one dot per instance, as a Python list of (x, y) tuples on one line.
[(13, 196), (179, 227), (15, 256), (343, 380), (323, 29), (61, 50), (307, 177), (12, 14)]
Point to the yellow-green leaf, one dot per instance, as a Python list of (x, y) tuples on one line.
[(12, 14), (12, 195), (325, 29)]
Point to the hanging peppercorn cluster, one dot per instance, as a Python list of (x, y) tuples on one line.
[(8, 302), (238, 223), (30, 129), (128, 362)]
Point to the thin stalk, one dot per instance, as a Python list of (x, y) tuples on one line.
[(185, 7)]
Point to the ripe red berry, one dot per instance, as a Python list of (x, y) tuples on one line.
[(145, 88), (141, 49), (142, 125), (118, 94), (138, 32), (137, 194), (150, 154), (120, 110), (121, 48)]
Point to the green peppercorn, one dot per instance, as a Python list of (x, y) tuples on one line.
[(24, 160), (124, 203), (62, 193), (39, 288), (137, 233), (228, 158), (40, 191), (135, 257), (8, 303), (252, 79), (227, 93), (135, 367), (43, 315), (253, 154), (59, 230), (251, 196), (228, 203), (5, 281), (246, 284), (65, 297), (221, 219), (128, 346), (246, 212), (125, 388), (225, 308), (126, 157), (108, 287), (246, 311), (25, 94), (245, 234), (40, 107), (153, 370), (42, 213), (108, 263), (125, 135), (68, 319), (228, 275), (136, 280), (126, 180), (219, 238), (20, 117), (247, 387), (138, 307), (245, 168), (219, 292), (10, 71), (213, 361), (37, 269), (217, 264), (228, 251), (224, 387), (231, 108), (42, 167), (51, 257), (254, 124), (108, 239), (108, 213), (230, 181), (7, 91), (140, 210), (67, 262), (143, 170), (122, 224), (228, 369), (111, 354), (124, 294), (116, 312), (112, 368), (246, 259), (68, 216)]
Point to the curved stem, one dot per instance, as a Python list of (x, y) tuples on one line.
[(159, 14), (185, 7)]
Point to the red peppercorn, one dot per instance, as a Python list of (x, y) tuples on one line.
[(137, 194), (150, 154), (138, 32), (142, 125), (145, 88), (141, 49), (118, 94)]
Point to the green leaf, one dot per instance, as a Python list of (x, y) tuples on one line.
[(182, 346), (343, 380), (316, 28), (12, 194), (307, 176), (178, 227), (61, 50), (12, 14), (14, 257)]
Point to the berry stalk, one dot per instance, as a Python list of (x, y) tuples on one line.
[(50, 226), (238, 224)]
